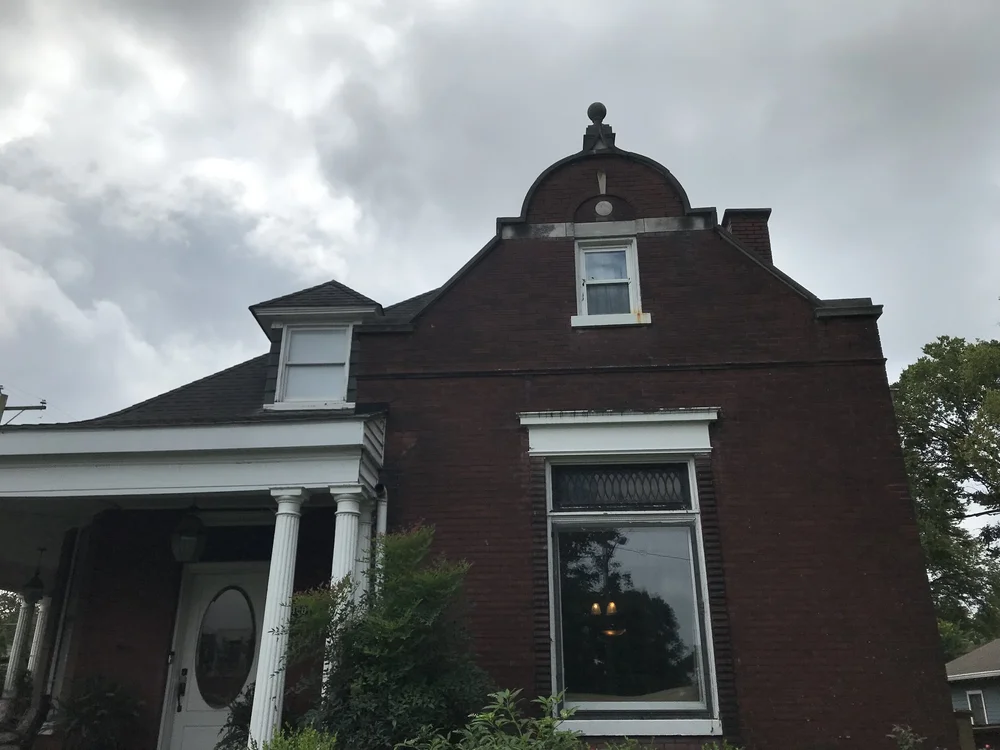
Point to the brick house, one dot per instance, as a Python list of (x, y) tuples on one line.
[(674, 471)]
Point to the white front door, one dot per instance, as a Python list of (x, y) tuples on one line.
[(216, 642)]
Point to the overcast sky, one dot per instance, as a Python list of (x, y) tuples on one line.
[(166, 163)]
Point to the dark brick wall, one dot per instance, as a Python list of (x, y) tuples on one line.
[(749, 226), (827, 634), (129, 600), (126, 612)]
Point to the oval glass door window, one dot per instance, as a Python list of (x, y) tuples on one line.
[(226, 645)]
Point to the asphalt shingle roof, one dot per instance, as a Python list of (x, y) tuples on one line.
[(232, 396), (403, 312), (983, 659), (328, 294)]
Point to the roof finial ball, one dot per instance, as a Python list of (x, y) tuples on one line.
[(597, 112)]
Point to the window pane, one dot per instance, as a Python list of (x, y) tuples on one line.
[(608, 299), (226, 645), (314, 383), (978, 708), (321, 346), (629, 623), (605, 264), (638, 486)]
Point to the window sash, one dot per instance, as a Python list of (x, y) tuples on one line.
[(631, 277), (336, 353), (334, 360), (572, 520)]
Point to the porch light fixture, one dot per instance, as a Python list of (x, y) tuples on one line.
[(34, 589), (188, 540)]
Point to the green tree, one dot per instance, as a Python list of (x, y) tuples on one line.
[(948, 412)]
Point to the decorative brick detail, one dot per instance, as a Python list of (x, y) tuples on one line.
[(540, 595), (722, 643), (646, 191)]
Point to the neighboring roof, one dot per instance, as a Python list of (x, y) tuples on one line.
[(983, 662), (328, 294), (231, 396)]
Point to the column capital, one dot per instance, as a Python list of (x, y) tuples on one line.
[(357, 490), (289, 492), (289, 500)]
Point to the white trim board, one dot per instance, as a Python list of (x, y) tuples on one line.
[(973, 675), (255, 436), (578, 433), (644, 727), (183, 460)]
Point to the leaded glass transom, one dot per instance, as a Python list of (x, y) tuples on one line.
[(627, 486)]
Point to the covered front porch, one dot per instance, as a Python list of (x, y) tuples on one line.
[(171, 554)]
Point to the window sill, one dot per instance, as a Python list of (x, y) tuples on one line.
[(308, 405), (623, 319), (644, 727)]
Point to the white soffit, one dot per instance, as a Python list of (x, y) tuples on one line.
[(570, 433)]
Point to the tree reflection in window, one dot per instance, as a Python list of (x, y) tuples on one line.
[(628, 614), (226, 646)]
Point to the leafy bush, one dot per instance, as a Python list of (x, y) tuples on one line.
[(905, 738), (100, 714), (399, 655), (500, 726), (304, 739), (235, 733)]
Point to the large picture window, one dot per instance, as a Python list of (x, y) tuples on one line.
[(630, 619)]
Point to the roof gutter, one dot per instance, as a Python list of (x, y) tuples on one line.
[(974, 675)]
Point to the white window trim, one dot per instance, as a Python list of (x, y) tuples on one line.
[(280, 402), (968, 699), (618, 437), (635, 316)]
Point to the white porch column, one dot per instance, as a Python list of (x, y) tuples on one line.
[(17, 647), (363, 555), (345, 534), (36, 642), (269, 691)]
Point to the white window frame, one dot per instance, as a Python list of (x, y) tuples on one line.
[(635, 316), (591, 437), (280, 402), (968, 699)]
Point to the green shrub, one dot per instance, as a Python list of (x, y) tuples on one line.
[(235, 733), (100, 714), (303, 739), (501, 726), (400, 657), (905, 738)]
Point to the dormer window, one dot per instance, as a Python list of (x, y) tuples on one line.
[(607, 284), (313, 369)]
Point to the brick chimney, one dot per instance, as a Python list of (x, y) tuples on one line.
[(749, 226)]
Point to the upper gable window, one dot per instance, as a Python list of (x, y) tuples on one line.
[(607, 283), (314, 365)]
